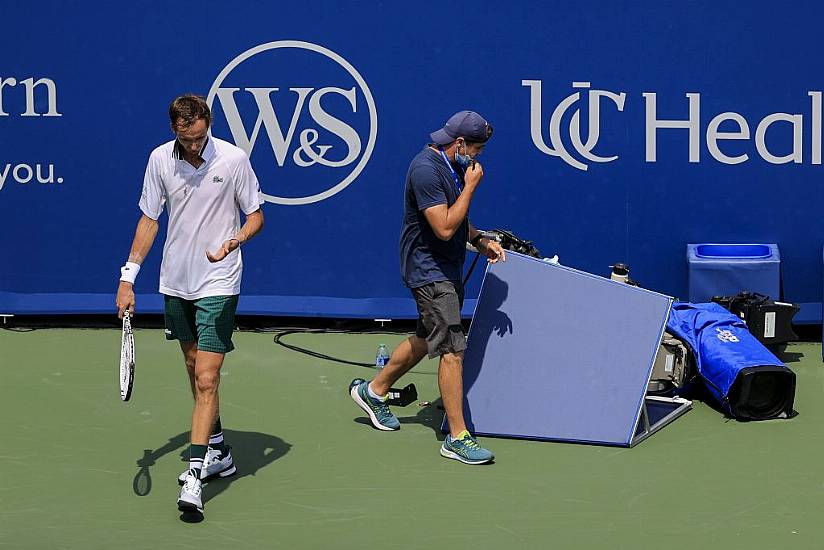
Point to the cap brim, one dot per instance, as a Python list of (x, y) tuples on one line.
[(440, 137)]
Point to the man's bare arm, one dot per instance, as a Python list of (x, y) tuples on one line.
[(445, 220), (144, 237)]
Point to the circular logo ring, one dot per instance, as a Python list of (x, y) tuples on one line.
[(373, 114)]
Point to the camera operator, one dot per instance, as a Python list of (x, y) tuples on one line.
[(440, 183)]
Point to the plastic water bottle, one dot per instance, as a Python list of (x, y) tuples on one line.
[(381, 357)]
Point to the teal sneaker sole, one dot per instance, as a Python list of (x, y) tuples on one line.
[(446, 453)]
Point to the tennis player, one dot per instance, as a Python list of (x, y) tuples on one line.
[(203, 182)]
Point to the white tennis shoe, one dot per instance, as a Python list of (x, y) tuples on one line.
[(213, 466), (189, 499)]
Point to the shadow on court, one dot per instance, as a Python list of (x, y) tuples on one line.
[(251, 451), (696, 391), (784, 355), (431, 416)]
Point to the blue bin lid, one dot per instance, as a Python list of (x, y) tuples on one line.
[(733, 251)]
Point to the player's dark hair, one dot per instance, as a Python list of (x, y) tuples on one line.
[(188, 108)]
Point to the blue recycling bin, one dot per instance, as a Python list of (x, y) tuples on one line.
[(727, 269)]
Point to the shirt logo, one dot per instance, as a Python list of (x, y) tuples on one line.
[(217, 179)]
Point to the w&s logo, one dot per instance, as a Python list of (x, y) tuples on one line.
[(303, 114)]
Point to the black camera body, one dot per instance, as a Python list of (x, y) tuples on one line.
[(769, 321), (509, 241)]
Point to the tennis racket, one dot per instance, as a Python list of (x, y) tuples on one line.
[(126, 358)]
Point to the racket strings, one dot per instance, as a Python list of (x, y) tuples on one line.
[(126, 358), (127, 347)]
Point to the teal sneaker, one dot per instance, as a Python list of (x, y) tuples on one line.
[(378, 411), (465, 449)]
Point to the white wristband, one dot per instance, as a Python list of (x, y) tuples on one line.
[(129, 272)]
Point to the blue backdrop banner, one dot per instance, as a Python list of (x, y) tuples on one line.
[(623, 131)]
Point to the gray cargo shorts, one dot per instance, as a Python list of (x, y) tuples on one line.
[(439, 317)]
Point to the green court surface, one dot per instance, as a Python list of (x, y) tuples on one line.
[(80, 469)]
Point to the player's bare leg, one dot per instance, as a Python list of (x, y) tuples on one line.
[(189, 350), (207, 380)]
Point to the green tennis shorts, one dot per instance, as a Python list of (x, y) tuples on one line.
[(209, 321)]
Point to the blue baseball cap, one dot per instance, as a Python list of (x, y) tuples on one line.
[(466, 124)]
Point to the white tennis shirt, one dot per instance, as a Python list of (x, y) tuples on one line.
[(203, 205)]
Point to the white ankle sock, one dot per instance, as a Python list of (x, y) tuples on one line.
[(374, 395)]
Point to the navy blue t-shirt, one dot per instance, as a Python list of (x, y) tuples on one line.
[(424, 257)]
